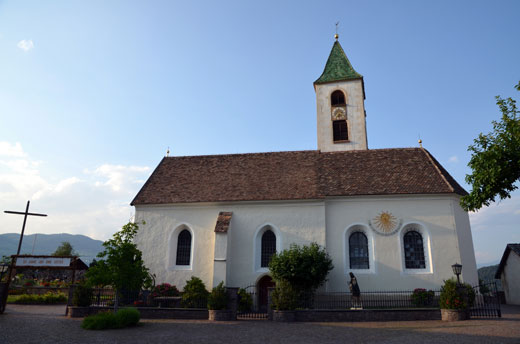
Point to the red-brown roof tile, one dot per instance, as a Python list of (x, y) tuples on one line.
[(223, 221), (295, 175)]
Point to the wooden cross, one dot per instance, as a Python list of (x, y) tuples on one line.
[(25, 214)]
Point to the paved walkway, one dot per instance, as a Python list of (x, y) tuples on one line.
[(46, 324)]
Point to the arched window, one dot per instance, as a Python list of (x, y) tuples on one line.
[(268, 248), (358, 251), (414, 250), (183, 248), (337, 98)]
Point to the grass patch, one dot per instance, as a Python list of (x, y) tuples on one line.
[(124, 317), (45, 299)]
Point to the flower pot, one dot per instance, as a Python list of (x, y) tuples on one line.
[(284, 316), (454, 314), (220, 315)]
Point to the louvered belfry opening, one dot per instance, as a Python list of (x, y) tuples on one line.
[(337, 98), (358, 251), (340, 130), (414, 250), (268, 248), (184, 248)]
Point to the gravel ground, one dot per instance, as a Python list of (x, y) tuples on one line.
[(46, 324)]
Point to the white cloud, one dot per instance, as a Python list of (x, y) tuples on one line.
[(8, 149), (94, 203), (26, 44), (453, 159)]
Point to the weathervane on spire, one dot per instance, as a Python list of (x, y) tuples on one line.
[(336, 36)]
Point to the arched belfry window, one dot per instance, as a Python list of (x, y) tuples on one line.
[(414, 250), (183, 248), (268, 248), (358, 251), (337, 98)]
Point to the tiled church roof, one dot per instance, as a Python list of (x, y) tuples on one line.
[(295, 176), (338, 67)]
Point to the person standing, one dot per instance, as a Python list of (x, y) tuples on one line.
[(355, 291)]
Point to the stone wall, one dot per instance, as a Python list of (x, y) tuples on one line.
[(367, 315)]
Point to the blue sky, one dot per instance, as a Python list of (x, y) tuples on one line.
[(93, 92)]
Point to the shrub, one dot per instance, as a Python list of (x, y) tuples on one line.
[(82, 295), (285, 297), (218, 298), (47, 298), (456, 297), (304, 267), (194, 294), (100, 321), (165, 289), (422, 297), (245, 302), (125, 317)]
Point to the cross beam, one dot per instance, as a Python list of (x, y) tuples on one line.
[(25, 214)]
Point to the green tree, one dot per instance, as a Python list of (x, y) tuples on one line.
[(495, 160), (121, 265), (65, 249), (304, 267)]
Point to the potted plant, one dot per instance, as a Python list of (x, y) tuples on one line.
[(217, 304), (456, 300), (285, 300)]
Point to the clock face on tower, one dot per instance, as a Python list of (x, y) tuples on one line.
[(338, 113)]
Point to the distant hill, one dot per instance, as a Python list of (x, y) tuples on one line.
[(46, 244), (487, 274)]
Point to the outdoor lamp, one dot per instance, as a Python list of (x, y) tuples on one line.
[(457, 269)]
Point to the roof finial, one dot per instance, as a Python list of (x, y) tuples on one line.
[(420, 141), (168, 152), (336, 36)]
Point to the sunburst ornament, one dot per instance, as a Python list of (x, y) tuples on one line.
[(385, 223)]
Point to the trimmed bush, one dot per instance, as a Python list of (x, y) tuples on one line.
[(456, 297), (165, 289), (218, 298), (194, 294), (125, 317), (47, 298), (422, 297), (82, 296), (245, 302), (285, 297)]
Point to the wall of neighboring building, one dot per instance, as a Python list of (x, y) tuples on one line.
[(511, 279), (292, 222), (432, 215), (353, 90)]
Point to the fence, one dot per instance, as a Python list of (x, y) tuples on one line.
[(252, 304), (106, 297), (487, 301), (371, 300)]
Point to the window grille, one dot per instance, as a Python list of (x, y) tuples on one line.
[(184, 248), (414, 250), (358, 251), (268, 248), (340, 130), (337, 98)]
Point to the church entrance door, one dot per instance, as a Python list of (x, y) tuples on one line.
[(263, 284)]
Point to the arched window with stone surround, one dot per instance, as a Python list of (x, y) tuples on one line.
[(358, 251), (414, 250), (268, 248), (183, 248)]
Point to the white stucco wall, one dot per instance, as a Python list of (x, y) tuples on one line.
[(511, 279), (445, 230), (353, 90), (299, 223), (433, 214)]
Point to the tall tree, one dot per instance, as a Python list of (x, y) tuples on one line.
[(495, 160), (65, 249)]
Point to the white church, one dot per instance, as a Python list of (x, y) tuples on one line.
[(390, 216)]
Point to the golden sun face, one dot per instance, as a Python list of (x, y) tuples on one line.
[(385, 221)]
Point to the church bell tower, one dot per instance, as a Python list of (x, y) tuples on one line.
[(340, 100)]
